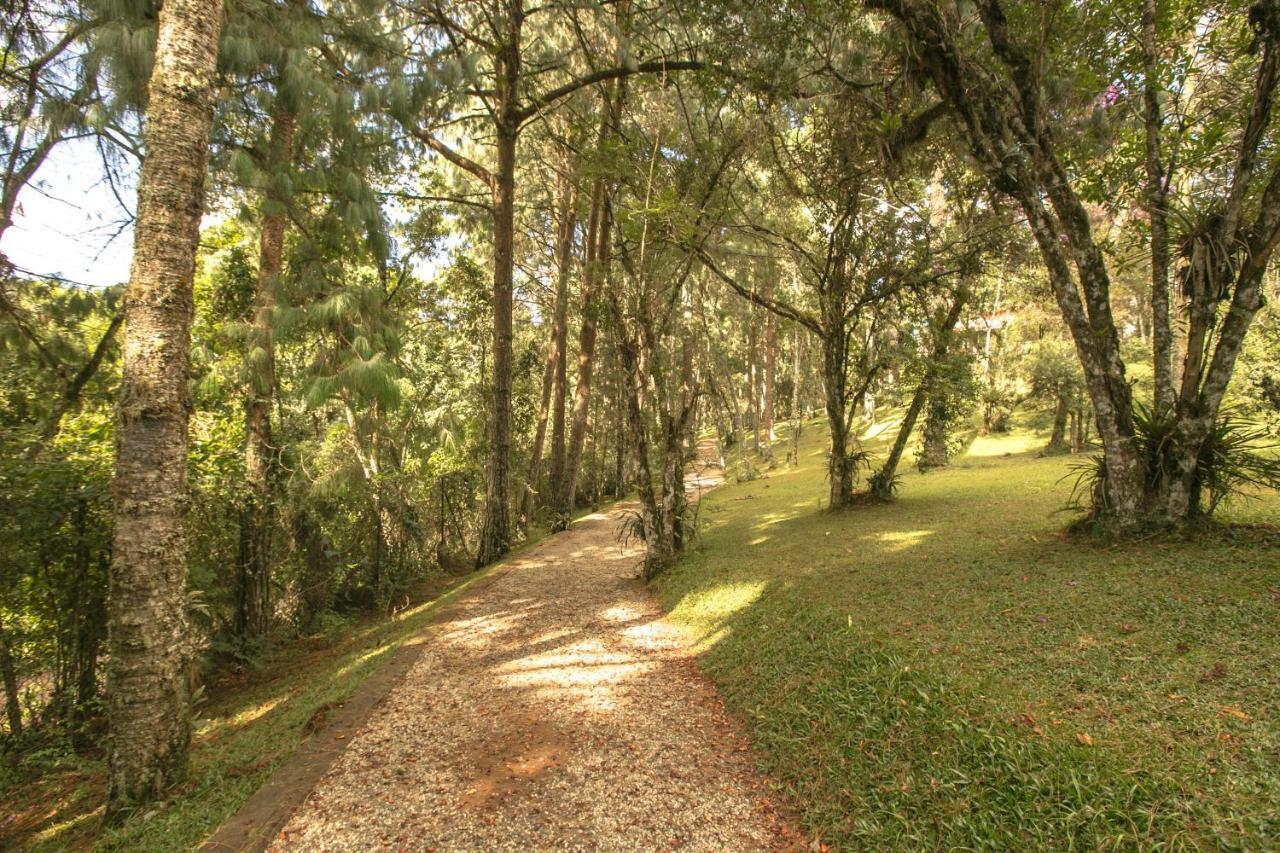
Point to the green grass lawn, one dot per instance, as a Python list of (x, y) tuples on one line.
[(950, 670)]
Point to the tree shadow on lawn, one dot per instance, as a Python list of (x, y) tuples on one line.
[(864, 647)]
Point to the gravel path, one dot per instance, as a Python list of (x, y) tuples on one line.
[(552, 708)]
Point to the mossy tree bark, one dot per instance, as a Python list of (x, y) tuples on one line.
[(882, 482), (995, 92), (1058, 436), (147, 677), (933, 448)]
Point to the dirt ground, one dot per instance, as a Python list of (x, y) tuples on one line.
[(550, 707)]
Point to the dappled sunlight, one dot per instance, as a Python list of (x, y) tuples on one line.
[(962, 601), (587, 671), (707, 641), (884, 427), (597, 553), (552, 636), (595, 516), (480, 631), (557, 669), (619, 613), (707, 610), (360, 660), (896, 541), (651, 633), (213, 727), (51, 833), (1005, 444), (772, 519)]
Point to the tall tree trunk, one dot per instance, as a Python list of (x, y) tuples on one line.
[(495, 531), (599, 250), (595, 276), (554, 374), (753, 382), (1058, 437), (92, 631), (539, 431), (797, 356), (1157, 209), (881, 483), (8, 674), (1097, 347), (1082, 429), (560, 335), (1242, 230), (997, 121), (933, 450), (634, 396), (840, 467), (834, 333), (688, 383), (253, 597), (620, 449), (770, 370), (148, 674)]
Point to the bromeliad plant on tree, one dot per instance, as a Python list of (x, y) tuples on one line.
[(1061, 120)]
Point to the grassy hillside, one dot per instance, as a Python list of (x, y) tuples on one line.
[(950, 670)]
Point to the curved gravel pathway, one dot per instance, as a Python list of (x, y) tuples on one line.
[(553, 708)]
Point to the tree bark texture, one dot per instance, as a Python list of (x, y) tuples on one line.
[(147, 677), (539, 432), (495, 531), (933, 448), (770, 366), (1011, 134), (560, 337)]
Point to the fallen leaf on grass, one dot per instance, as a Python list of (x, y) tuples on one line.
[(1084, 739)]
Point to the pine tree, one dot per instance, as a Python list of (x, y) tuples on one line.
[(148, 688)]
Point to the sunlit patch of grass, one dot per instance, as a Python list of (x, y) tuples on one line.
[(705, 612), (208, 727), (1006, 444), (949, 670), (885, 428), (902, 540), (60, 829)]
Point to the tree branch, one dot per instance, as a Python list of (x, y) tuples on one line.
[(781, 309), (462, 162), (660, 66)]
